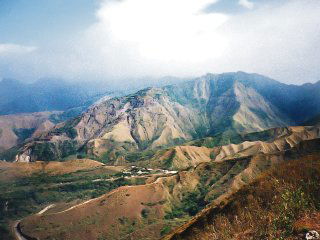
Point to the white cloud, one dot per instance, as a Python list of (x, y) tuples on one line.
[(149, 36), (138, 38), (246, 4), (135, 38), (8, 48), (162, 30), (279, 41)]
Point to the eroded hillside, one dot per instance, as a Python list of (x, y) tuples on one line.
[(159, 117)]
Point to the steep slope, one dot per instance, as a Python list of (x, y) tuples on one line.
[(159, 117), (151, 210), (275, 206), (299, 103)]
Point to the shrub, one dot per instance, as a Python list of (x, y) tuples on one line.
[(165, 230), (145, 212)]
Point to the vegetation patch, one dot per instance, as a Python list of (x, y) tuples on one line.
[(23, 133), (9, 155), (169, 160), (165, 230), (140, 156), (145, 212), (233, 137), (68, 128)]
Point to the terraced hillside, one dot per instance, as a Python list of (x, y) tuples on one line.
[(160, 117)]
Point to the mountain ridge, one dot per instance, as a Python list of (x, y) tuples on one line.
[(157, 117), (47, 94)]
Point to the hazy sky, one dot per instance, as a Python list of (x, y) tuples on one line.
[(113, 40)]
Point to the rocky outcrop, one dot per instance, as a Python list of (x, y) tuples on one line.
[(24, 157)]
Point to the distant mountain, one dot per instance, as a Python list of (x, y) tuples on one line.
[(16, 128), (157, 117), (46, 95)]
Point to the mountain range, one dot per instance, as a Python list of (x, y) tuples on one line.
[(164, 161), (46, 94), (213, 105)]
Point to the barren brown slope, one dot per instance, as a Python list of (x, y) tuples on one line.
[(14, 170), (135, 211), (183, 157), (147, 211)]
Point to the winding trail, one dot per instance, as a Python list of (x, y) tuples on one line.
[(115, 190), (17, 231), (16, 226), (45, 209)]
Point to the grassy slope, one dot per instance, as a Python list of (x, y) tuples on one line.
[(148, 211), (281, 204)]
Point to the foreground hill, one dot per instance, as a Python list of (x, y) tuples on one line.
[(283, 203), (158, 117), (151, 210), (27, 188)]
